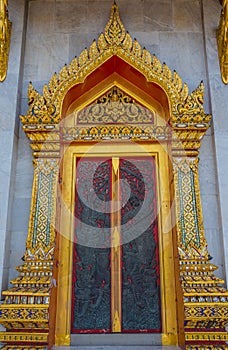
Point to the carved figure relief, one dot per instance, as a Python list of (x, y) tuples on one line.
[(114, 107), (92, 264)]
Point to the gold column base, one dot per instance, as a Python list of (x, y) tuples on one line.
[(206, 347), (205, 305), (26, 337), (25, 311)]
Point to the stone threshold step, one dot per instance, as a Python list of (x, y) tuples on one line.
[(112, 347)]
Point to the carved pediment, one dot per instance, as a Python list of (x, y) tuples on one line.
[(115, 106)]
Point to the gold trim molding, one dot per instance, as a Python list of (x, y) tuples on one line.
[(26, 304), (222, 40), (5, 31)]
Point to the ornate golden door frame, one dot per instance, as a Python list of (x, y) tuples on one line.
[(26, 311), (166, 234), (123, 131)]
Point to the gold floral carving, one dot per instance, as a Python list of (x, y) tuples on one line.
[(190, 230), (40, 242), (116, 132), (191, 112), (114, 30), (222, 40), (114, 107), (5, 31)]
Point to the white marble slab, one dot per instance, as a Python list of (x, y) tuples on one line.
[(9, 102)]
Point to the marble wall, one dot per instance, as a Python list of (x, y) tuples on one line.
[(10, 98), (182, 34), (218, 94)]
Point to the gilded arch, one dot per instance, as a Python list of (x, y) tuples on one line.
[(27, 303)]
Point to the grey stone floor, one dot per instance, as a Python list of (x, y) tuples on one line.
[(116, 342), (114, 347)]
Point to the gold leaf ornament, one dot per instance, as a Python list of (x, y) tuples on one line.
[(114, 30)]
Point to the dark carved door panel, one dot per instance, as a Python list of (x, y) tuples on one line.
[(116, 286)]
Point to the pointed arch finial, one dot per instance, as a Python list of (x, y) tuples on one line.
[(114, 30)]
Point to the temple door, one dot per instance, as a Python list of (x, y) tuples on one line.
[(116, 279)]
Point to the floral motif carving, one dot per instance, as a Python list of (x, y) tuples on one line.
[(114, 30), (191, 112), (114, 107), (191, 240), (40, 242)]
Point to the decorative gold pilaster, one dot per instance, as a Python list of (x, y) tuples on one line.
[(205, 301), (189, 219), (222, 40), (5, 31), (41, 234), (26, 305)]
